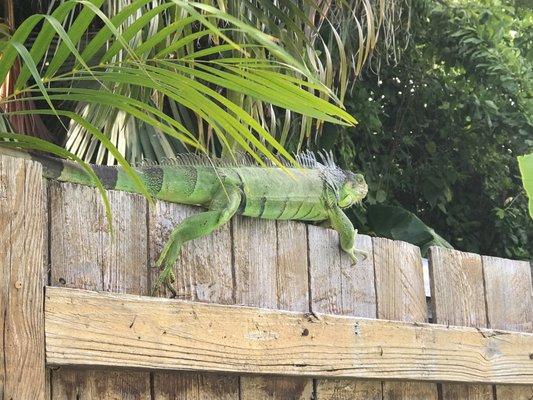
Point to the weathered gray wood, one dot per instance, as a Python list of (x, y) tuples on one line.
[(292, 287), (524, 392), (400, 296), (195, 386), (109, 329), (458, 299), (271, 271), (255, 259), (348, 389), (509, 294), (339, 287), (100, 384), (275, 388), (409, 391), (509, 301), (456, 391), (21, 290), (273, 276), (84, 255), (46, 268), (203, 273)]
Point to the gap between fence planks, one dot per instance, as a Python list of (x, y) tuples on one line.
[(108, 329)]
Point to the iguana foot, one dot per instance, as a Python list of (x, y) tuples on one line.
[(167, 278), (167, 258), (355, 253)]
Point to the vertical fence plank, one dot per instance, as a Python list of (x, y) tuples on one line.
[(203, 273), (46, 267), (21, 289), (400, 296), (255, 251), (509, 298), (84, 255), (458, 298), (339, 287), (292, 278), (271, 271)]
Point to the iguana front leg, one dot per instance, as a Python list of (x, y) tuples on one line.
[(225, 203), (342, 224)]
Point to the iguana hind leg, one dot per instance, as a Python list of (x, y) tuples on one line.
[(342, 224), (223, 206)]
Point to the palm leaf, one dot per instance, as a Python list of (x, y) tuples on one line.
[(142, 74), (217, 79)]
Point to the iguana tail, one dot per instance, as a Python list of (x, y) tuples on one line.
[(184, 185), (68, 171)]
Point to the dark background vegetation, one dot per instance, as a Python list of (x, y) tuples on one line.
[(439, 133)]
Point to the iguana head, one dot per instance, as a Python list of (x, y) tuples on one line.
[(353, 190)]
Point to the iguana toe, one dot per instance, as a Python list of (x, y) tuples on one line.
[(355, 253), (167, 278)]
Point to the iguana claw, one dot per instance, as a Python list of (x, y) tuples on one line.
[(167, 278), (168, 258), (353, 255)]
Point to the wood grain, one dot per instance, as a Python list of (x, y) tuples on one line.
[(292, 280), (509, 294), (83, 254), (46, 267), (21, 290), (339, 287), (458, 299), (255, 262), (509, 298), (109, 329), (105, 384), (203, 273), (401, 296), (195, 386), (271, 271)]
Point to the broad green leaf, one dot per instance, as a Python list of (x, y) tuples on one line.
[(525, 163), (400, 224)]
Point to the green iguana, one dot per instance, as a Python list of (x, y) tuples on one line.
[(317, 192)]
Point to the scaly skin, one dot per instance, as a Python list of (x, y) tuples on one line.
[(310, 194)]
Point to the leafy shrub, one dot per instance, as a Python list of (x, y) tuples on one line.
[(439, 133)]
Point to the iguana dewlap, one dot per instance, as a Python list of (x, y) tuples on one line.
[(317, 192)]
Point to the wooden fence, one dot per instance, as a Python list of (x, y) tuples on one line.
[(83, 327)]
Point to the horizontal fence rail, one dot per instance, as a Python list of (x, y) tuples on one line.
[(56, 235), (87, 328)]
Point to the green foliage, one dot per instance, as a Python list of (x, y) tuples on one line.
[(134, 72), (213, 40), (439, 133)]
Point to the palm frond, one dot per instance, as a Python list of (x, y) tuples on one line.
[(246, 74), (121, 77)]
